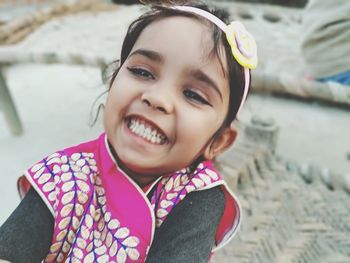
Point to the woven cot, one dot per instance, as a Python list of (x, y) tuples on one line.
[(291, 213), (264, 21)]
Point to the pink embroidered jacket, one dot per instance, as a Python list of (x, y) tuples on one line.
[(101, 215)]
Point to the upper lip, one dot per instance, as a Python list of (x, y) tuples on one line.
[(149, 122)]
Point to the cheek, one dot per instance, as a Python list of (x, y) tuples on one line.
[(112, 109), (107, 120), (118, 95), (197, 127)]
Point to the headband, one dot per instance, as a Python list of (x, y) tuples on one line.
[(242, 43)]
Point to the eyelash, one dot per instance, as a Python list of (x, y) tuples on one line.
[(192, 95), (141, 73), (188, 93)]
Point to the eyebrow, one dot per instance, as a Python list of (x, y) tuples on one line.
[(148, 54), (198, 74), (201, 76)]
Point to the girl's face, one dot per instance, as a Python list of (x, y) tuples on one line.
[(168, 99)]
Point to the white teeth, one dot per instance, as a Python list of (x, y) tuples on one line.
[(153, 139), (145, 132), (133, 128), (142, 127)]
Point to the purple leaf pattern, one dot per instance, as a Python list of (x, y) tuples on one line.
[(84, 230), (174, 188)]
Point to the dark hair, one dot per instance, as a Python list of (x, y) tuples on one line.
[(235, 71)]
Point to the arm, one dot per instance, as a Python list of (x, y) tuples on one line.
[(188, 233), (26, 234)]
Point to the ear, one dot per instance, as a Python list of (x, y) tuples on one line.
[(220, 143)]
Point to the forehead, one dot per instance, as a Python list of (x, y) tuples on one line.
[(180, 35)]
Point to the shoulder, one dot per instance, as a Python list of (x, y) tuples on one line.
[(211, 198), (191, 224), (209, 202)]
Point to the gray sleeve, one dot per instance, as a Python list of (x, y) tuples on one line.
[(26, 234), (188, 233)]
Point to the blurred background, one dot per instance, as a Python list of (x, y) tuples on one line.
[(52, 52)]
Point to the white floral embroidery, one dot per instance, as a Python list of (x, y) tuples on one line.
[(176, 187), (91, 229), (114, 240)]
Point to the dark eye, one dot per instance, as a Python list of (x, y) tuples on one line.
[(194, 96), (141, 73)]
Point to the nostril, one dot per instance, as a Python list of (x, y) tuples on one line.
[(161, 109), (147, 102), (154, 103)]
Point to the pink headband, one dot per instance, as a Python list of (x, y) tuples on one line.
[(243, 45)]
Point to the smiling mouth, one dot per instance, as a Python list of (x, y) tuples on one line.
[(146, 131)]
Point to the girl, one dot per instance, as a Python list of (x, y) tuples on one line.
[(146, 189)]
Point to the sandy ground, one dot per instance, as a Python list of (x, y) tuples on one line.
[(54, 103)]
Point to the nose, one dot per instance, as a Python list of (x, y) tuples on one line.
[(158, 100)]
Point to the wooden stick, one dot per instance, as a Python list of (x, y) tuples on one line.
[(12, 55), (293, 85)]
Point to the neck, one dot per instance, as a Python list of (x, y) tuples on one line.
[(140, 179)]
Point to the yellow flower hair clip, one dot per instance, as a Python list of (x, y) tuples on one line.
[(243, 45)]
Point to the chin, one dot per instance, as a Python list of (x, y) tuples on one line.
[(139, 169)]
